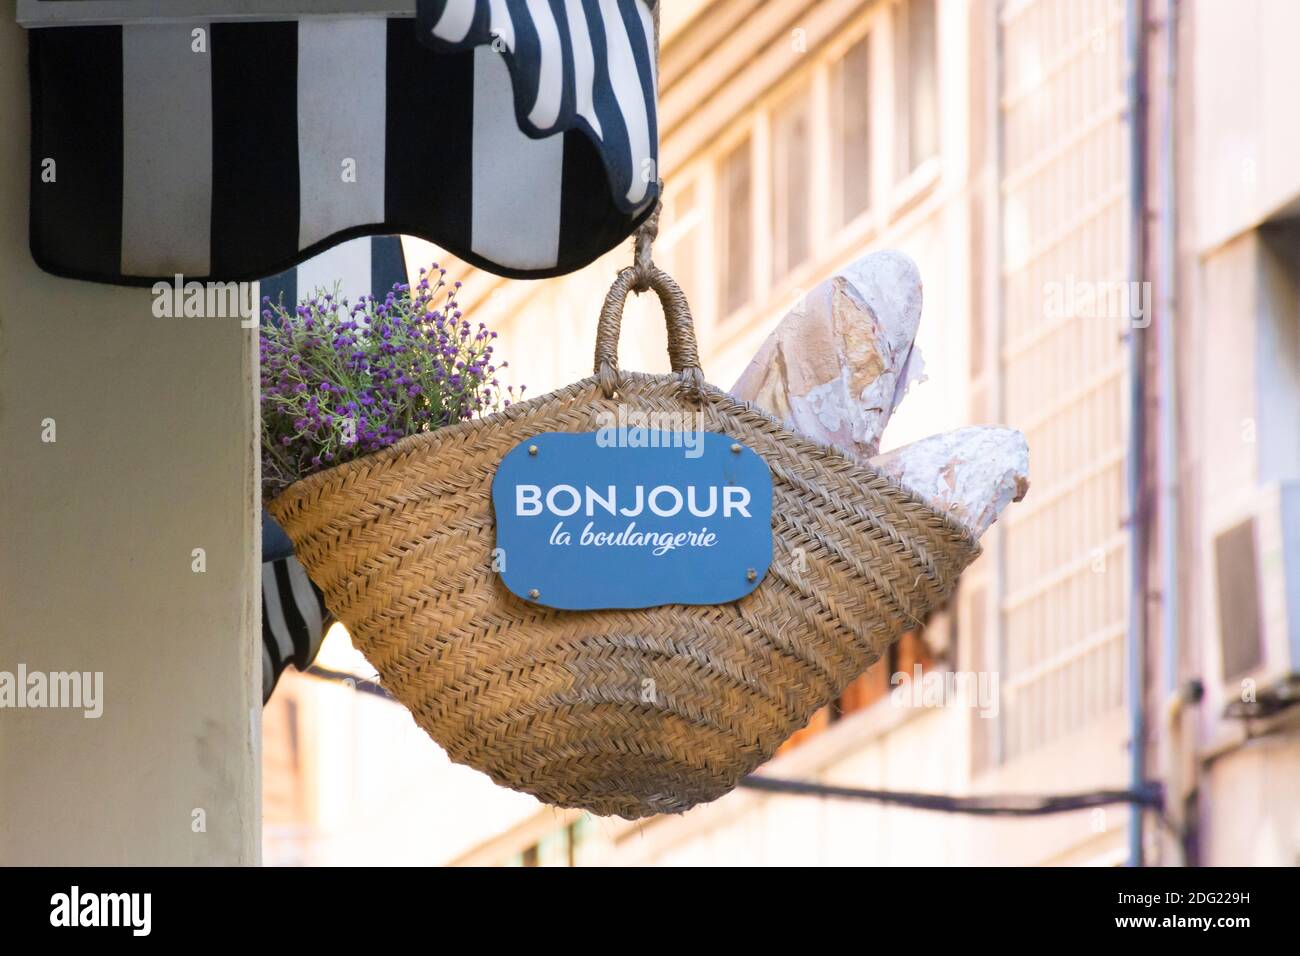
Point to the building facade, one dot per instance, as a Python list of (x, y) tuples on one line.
[(1118, 276)]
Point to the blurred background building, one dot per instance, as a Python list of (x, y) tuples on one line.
[(1104, 202)]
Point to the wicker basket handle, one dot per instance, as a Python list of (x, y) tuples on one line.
[(683, 354)]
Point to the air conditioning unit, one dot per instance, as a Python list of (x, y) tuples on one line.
[(1255, 564)]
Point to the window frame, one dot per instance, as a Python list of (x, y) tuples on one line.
[(837, 221), (743, 134), (697, 224), (911, 170), (889, 197), (779, 231)]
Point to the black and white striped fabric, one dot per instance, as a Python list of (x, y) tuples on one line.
[(240, 150), (552, 51), (294, 620), (369, 266), (294, 616)]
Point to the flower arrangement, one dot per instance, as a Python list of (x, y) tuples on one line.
[(339, 382)]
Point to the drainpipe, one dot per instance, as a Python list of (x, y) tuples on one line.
[(1168, 376), (1134, 25), (1168, 422), (1167, 425)]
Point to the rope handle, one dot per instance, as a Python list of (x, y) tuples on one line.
[(683, 354), (642, 276)]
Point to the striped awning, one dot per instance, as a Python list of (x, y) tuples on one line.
[(519, 135)]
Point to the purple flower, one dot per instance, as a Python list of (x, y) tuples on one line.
[(340, 380)]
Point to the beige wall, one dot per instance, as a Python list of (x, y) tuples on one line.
[(154, 457), (1252, 817), (1236, 335), (1246, 75)]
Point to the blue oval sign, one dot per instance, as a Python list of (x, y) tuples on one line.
[(585, 522)]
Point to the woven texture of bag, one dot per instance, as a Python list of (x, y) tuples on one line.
[(626, 712)]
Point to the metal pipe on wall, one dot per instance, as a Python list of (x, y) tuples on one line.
[(1168, 383), (1135, 33), (1167, 430)]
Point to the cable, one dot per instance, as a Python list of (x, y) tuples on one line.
[(363, 685), (1002, 805)]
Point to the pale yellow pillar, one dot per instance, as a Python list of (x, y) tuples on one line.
[(154, 456)]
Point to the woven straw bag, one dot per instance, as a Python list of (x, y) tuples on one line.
[(550, 701)]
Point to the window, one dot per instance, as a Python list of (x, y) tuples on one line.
[(582, 840), (684, 240), (851, 134), (571, 845), (735, 226), (916, 85), (553, 848), (1058, 619), (791, 185)]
